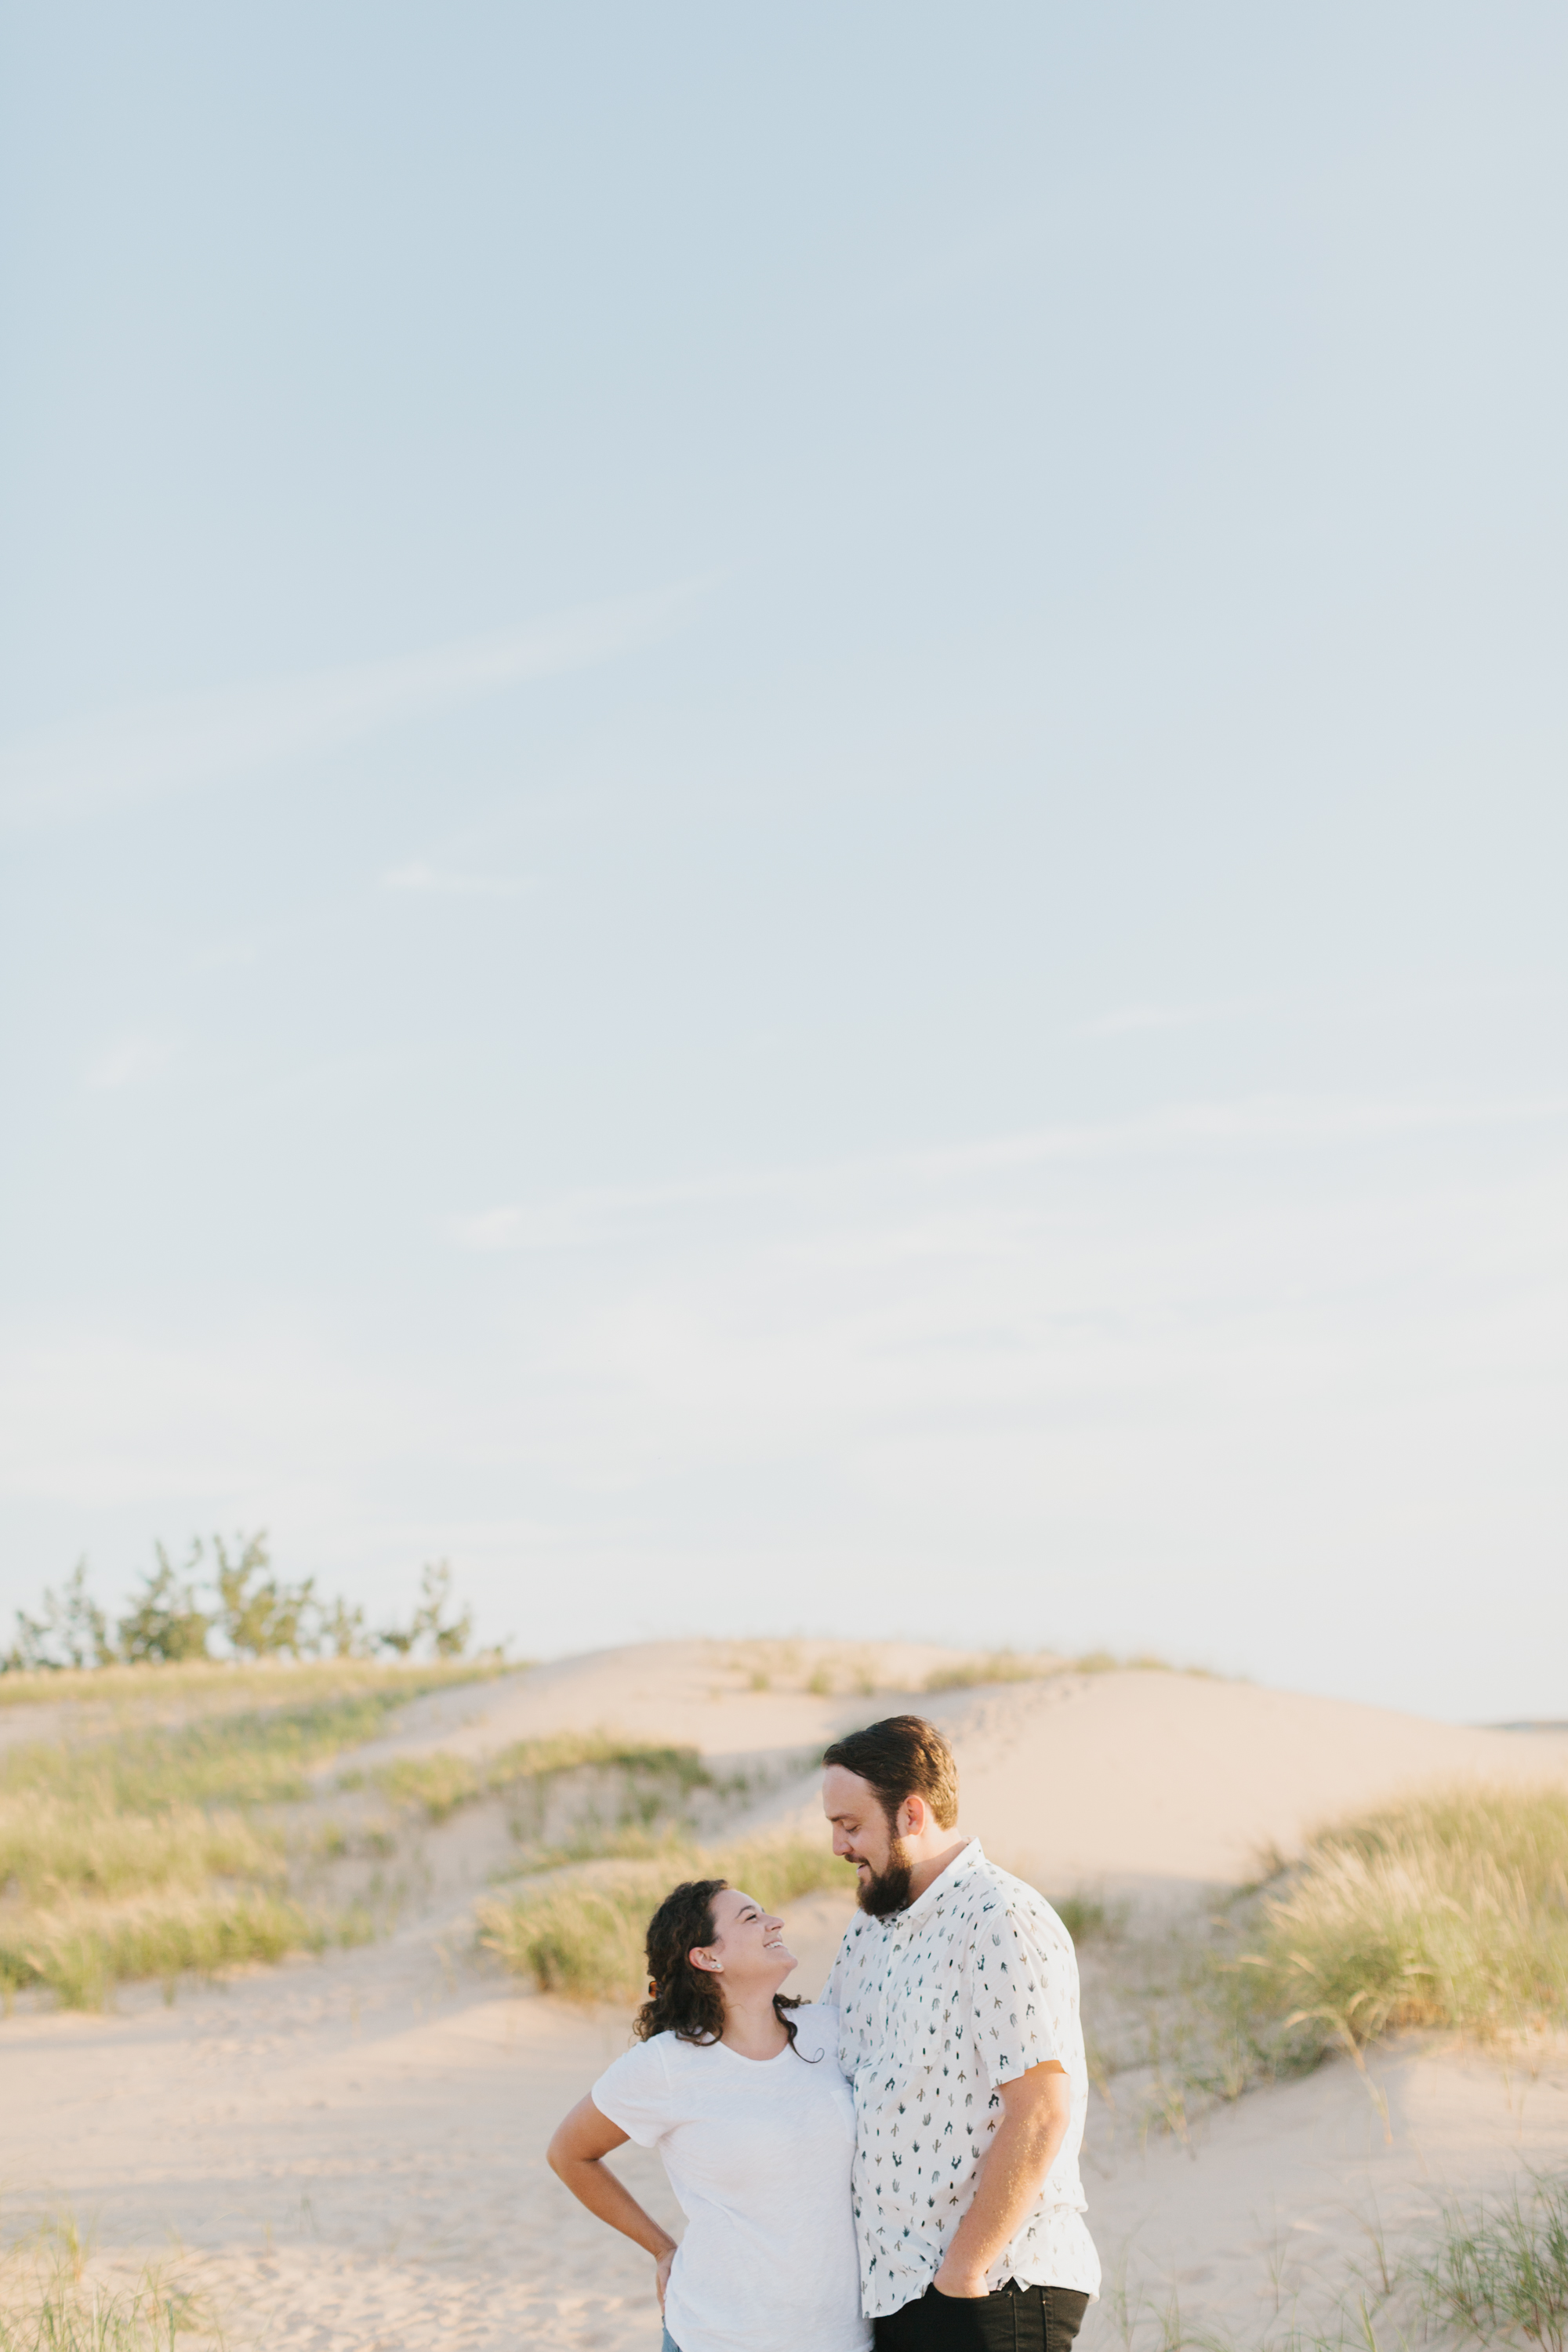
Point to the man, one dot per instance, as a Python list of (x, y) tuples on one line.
[(957, 1990)]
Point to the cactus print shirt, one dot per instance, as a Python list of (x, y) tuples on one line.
[(939, 2006)]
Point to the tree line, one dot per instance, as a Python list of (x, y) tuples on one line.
[(225, 1601)]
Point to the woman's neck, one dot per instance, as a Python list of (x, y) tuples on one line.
[(752, 2026)]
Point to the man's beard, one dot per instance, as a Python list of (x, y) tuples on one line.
[(888, 1890)]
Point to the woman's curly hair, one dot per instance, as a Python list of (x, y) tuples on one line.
[(686, 2002)]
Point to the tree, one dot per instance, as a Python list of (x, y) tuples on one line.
[(343, 1634), (448, 1638), (258, 1616), (164, 1622), (72, 1631)]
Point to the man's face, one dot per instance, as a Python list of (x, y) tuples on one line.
[(863, 1835)]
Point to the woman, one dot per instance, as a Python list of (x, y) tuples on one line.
[(739, 2088)]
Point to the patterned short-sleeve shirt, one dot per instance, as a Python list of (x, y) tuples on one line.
[(939, 2006)]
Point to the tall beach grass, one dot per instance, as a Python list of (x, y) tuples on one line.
[(220, 1684), (143, 1851), (81, 1951), (1490, 2272), (439, 1782), (582, 1935), (52, 2299), (1448, 1909), (1497, 2272)]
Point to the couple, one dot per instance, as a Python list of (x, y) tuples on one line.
[(895, 2163)]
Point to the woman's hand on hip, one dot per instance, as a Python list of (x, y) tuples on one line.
[(662, 2275)]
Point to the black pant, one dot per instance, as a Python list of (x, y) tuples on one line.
[(1015, 2319)]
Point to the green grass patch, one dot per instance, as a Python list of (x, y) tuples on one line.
[(52, 1847), (439, 1783), (50, 2301), (259, 1756), (80, 1952), (1498, 2273), (583, 1937), (1009, 1667), (1001, 1666), (1449, 1909), (136, 1854), (1081, 1915), (202, 1686)]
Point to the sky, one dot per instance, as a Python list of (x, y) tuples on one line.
[(782, 805)]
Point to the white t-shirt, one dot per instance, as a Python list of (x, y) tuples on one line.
[(759, 2152)]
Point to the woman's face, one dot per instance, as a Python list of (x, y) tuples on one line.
[(748, 1944)]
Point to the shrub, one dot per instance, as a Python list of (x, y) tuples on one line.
[(164, 1624)]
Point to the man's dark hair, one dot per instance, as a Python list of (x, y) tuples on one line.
[(903, 1756)]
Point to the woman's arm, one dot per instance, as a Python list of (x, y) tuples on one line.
[(576, 2156)]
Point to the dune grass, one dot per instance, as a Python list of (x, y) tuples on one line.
[(218, 1685), (1498, 2273), (80, 1951), (1449, 1909), (254, 1756), (582, 1936), (1493, 2272), (438, 1784), (137, 1854), (50, 2301), (1010, 1667), (53, 1847)]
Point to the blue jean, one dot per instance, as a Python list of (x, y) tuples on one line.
[(669, 2343)]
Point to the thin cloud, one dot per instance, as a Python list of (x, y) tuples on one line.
[(1133, 1019), (491, 1229), (1263, 1122), (432, 881), (170, 745), (130, 1064)]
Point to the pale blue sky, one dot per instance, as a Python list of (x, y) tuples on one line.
[(783, 802)]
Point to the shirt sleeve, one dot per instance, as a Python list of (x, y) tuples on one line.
[(634, 2094), (817, 2032), (1018, 1983)]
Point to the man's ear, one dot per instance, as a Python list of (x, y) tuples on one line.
[(914, 1815)]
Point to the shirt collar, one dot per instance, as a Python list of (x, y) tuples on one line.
[(968, 1858)]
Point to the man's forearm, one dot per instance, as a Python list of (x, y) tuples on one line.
[(1007, 2187)]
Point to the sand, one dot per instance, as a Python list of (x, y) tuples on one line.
[(350, 2153)]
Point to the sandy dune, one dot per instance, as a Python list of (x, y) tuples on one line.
[(1171, 1781), (1126, 1779), (349, 2154)]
